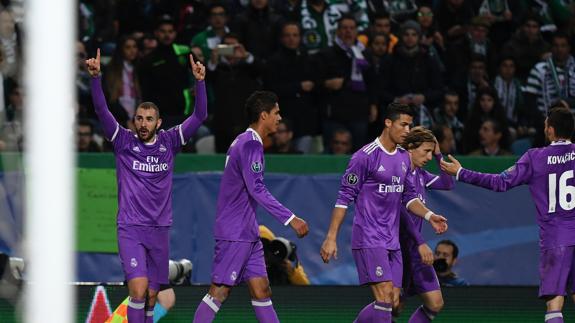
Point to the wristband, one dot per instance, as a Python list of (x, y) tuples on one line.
[(428, 215)]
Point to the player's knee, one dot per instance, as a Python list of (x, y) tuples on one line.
[(435, 305), (138, 292), (221, 293), (261, 293)]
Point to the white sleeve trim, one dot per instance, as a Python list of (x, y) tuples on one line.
[(208, 300), (261, 304), (411, 201), (181, 135), (432, 181), (458, 171), (116, 132), (341, 206), (289, 220)]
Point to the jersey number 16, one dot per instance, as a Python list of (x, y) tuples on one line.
[(566, 192)]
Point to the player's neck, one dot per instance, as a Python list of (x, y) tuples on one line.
[(260, 129), (151, 141), (386, 142)]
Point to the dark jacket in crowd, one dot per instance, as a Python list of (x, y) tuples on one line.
[(526, 54)]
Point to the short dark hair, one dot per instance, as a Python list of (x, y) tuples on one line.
[(395, 109), (290, 23), (380, 15), (216, 4), (452, 244), (231, 35), (345, 17), (165, 19), (258, 102), (561, 119), (149, 105), (497, 127), (86, 123), (560, 35), (375, 35)]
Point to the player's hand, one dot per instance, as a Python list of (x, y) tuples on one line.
[(439, 223), (299, 226), (93, 65), (198, 69), (451, 167), (328, 250), (425, 253)]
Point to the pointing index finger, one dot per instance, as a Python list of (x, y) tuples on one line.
[(192, 60)]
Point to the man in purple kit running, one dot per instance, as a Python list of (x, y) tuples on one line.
[(239, 254), (548, 172), (144, 168), (378, 180), (419, 277)]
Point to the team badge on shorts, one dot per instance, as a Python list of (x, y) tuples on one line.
[(234, 276), (133, 263), (256, 167), (351, 179), (379, 271)]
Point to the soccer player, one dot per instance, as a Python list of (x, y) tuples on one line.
[(548, 172), (144, 167), (419, 277), (379, 180), (239, 254)]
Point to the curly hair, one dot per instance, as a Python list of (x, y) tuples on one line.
[(416, 137)]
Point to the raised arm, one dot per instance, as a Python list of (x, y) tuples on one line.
[(109, 125), (443, 181), (193, 122)]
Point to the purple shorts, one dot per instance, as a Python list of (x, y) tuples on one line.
[(418, 278), (145, 252), (376, 265), (557, 271), (237, 261)]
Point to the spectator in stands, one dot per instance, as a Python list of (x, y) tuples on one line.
[(446, 114), (553, 15), (381, 24), (499, 14), (193, 16), (376, 55), (282, 140), (467, 86), (212, 36), (319, 20), (10, 44), (85, 142), (551, 80), (346, 81), (121, 83), (490, 140), (290, 74), (445, 139), (341, 142), (446, 253), (526, 46), (146, 44), (412, 76), (168, 63), (486, 106), (431, 38), (259, 28), (510, 94), (233, 77), (12, 130), (399, 10)]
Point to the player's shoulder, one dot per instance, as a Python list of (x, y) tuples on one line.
[(247, 140), (368, 149)]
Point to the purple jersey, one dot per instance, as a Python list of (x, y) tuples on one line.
[(144, 170), (242, 189), (378, 182), (549, 174), (411, 224)]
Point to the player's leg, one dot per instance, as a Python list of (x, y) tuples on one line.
[(374, 268), (256, 276), (432, 304), (165, 301), (157, 243), (230, 258), (555, 272), (425, 283), (133, 258)]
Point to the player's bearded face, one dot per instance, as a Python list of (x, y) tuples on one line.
[(147, 123)]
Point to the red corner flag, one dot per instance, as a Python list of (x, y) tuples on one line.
[(100, 308)]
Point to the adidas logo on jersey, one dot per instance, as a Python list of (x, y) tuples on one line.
[(381, 168), (136, 149)]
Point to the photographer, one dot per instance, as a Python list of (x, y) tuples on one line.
[(446, 253), (282, 265)]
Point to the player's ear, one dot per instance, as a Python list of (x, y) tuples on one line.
[(158, 124)]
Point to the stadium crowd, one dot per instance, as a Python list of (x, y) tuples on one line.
[(480, 73)]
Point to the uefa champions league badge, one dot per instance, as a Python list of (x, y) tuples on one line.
[(133, 263), (378, 271), (351, 179), (403, 167), (234, 276), (257, 167)]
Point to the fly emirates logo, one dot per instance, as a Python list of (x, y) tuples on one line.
[(395, 186), (152, 165)]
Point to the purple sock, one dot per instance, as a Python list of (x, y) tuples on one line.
[(149, 316), (265, 312), (206, 311), (553, 317), (136, 310), (422, 315), (366, 314), (382, 312)]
